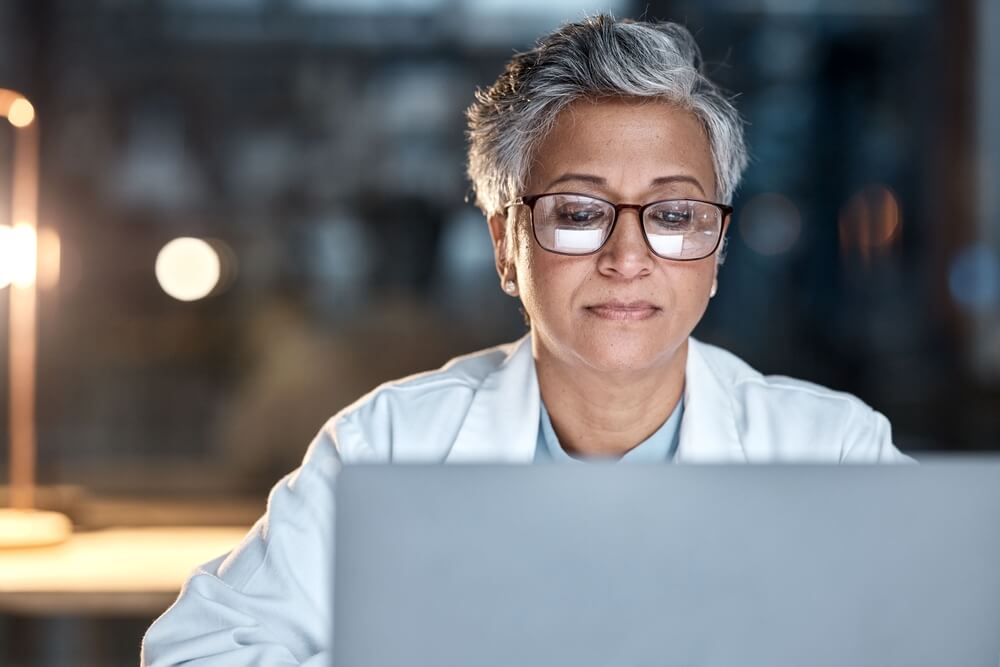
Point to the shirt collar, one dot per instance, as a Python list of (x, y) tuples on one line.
[(657, 448)]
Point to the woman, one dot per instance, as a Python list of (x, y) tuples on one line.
[(605, 164)]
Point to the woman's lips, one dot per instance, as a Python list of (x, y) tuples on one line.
[(618, 310)]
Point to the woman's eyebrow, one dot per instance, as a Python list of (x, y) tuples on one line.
[(586, 178), (678, 178), (598, 180)]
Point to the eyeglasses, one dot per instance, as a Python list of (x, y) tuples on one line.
[(568, 223)]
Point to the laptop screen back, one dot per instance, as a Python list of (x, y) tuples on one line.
[(668, 565)]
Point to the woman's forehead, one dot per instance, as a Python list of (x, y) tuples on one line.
[(617, 143)]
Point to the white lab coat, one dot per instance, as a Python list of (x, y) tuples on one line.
[(268, 602)]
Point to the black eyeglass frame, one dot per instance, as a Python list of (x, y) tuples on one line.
[(529, 201)]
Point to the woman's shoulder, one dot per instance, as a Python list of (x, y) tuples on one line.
[(416, 417), (741, 376), (780, 417)]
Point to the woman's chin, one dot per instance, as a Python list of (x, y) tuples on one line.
[(612, 350), (623, 355)]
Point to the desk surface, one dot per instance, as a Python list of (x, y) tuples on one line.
[(117, 571)]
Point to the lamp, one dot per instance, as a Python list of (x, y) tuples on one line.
[(22, 525)]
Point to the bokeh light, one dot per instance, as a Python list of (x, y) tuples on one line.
[(21, 113), (5, 253), (49, 257), (18, 255), (188, 268), (974, 278), (870, 222), (770, 224)]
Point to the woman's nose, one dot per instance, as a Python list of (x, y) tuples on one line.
[(626, 254)]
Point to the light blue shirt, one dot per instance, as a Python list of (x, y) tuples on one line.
[(657, 448)]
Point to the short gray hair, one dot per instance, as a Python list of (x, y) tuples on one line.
[(598, 57)]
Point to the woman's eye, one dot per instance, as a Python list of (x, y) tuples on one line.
[(582, 216), (672, 217)]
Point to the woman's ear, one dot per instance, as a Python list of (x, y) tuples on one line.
[(720, 256), (497, 222)]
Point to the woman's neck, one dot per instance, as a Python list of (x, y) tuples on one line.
[(599, 414)]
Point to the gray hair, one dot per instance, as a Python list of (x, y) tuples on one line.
[(597, 57)]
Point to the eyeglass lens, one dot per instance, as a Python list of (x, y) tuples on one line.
[(579, 225)]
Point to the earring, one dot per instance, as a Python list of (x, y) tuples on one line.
[(510, 287), (715, 288)]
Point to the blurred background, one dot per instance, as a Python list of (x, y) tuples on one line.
[(251, 212)]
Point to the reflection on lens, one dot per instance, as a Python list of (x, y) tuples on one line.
[(578, 240), (667, 244)]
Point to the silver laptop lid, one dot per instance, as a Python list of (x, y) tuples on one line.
[(668, 565)]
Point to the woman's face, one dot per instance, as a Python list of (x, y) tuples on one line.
[(622, 308)]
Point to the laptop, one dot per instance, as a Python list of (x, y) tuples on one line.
[(668, 566)]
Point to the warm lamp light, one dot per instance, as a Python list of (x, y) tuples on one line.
[(6, 256), (19, 256), (21, 113), (22, 525), (32, 528)]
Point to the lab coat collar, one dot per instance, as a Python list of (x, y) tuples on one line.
[(501, 425), (502, 422), (708, 428)]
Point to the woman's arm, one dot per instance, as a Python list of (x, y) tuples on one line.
[(269, 601)]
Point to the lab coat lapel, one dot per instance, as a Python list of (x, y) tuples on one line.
[(501, 425), (708, 431), (502, 422)]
